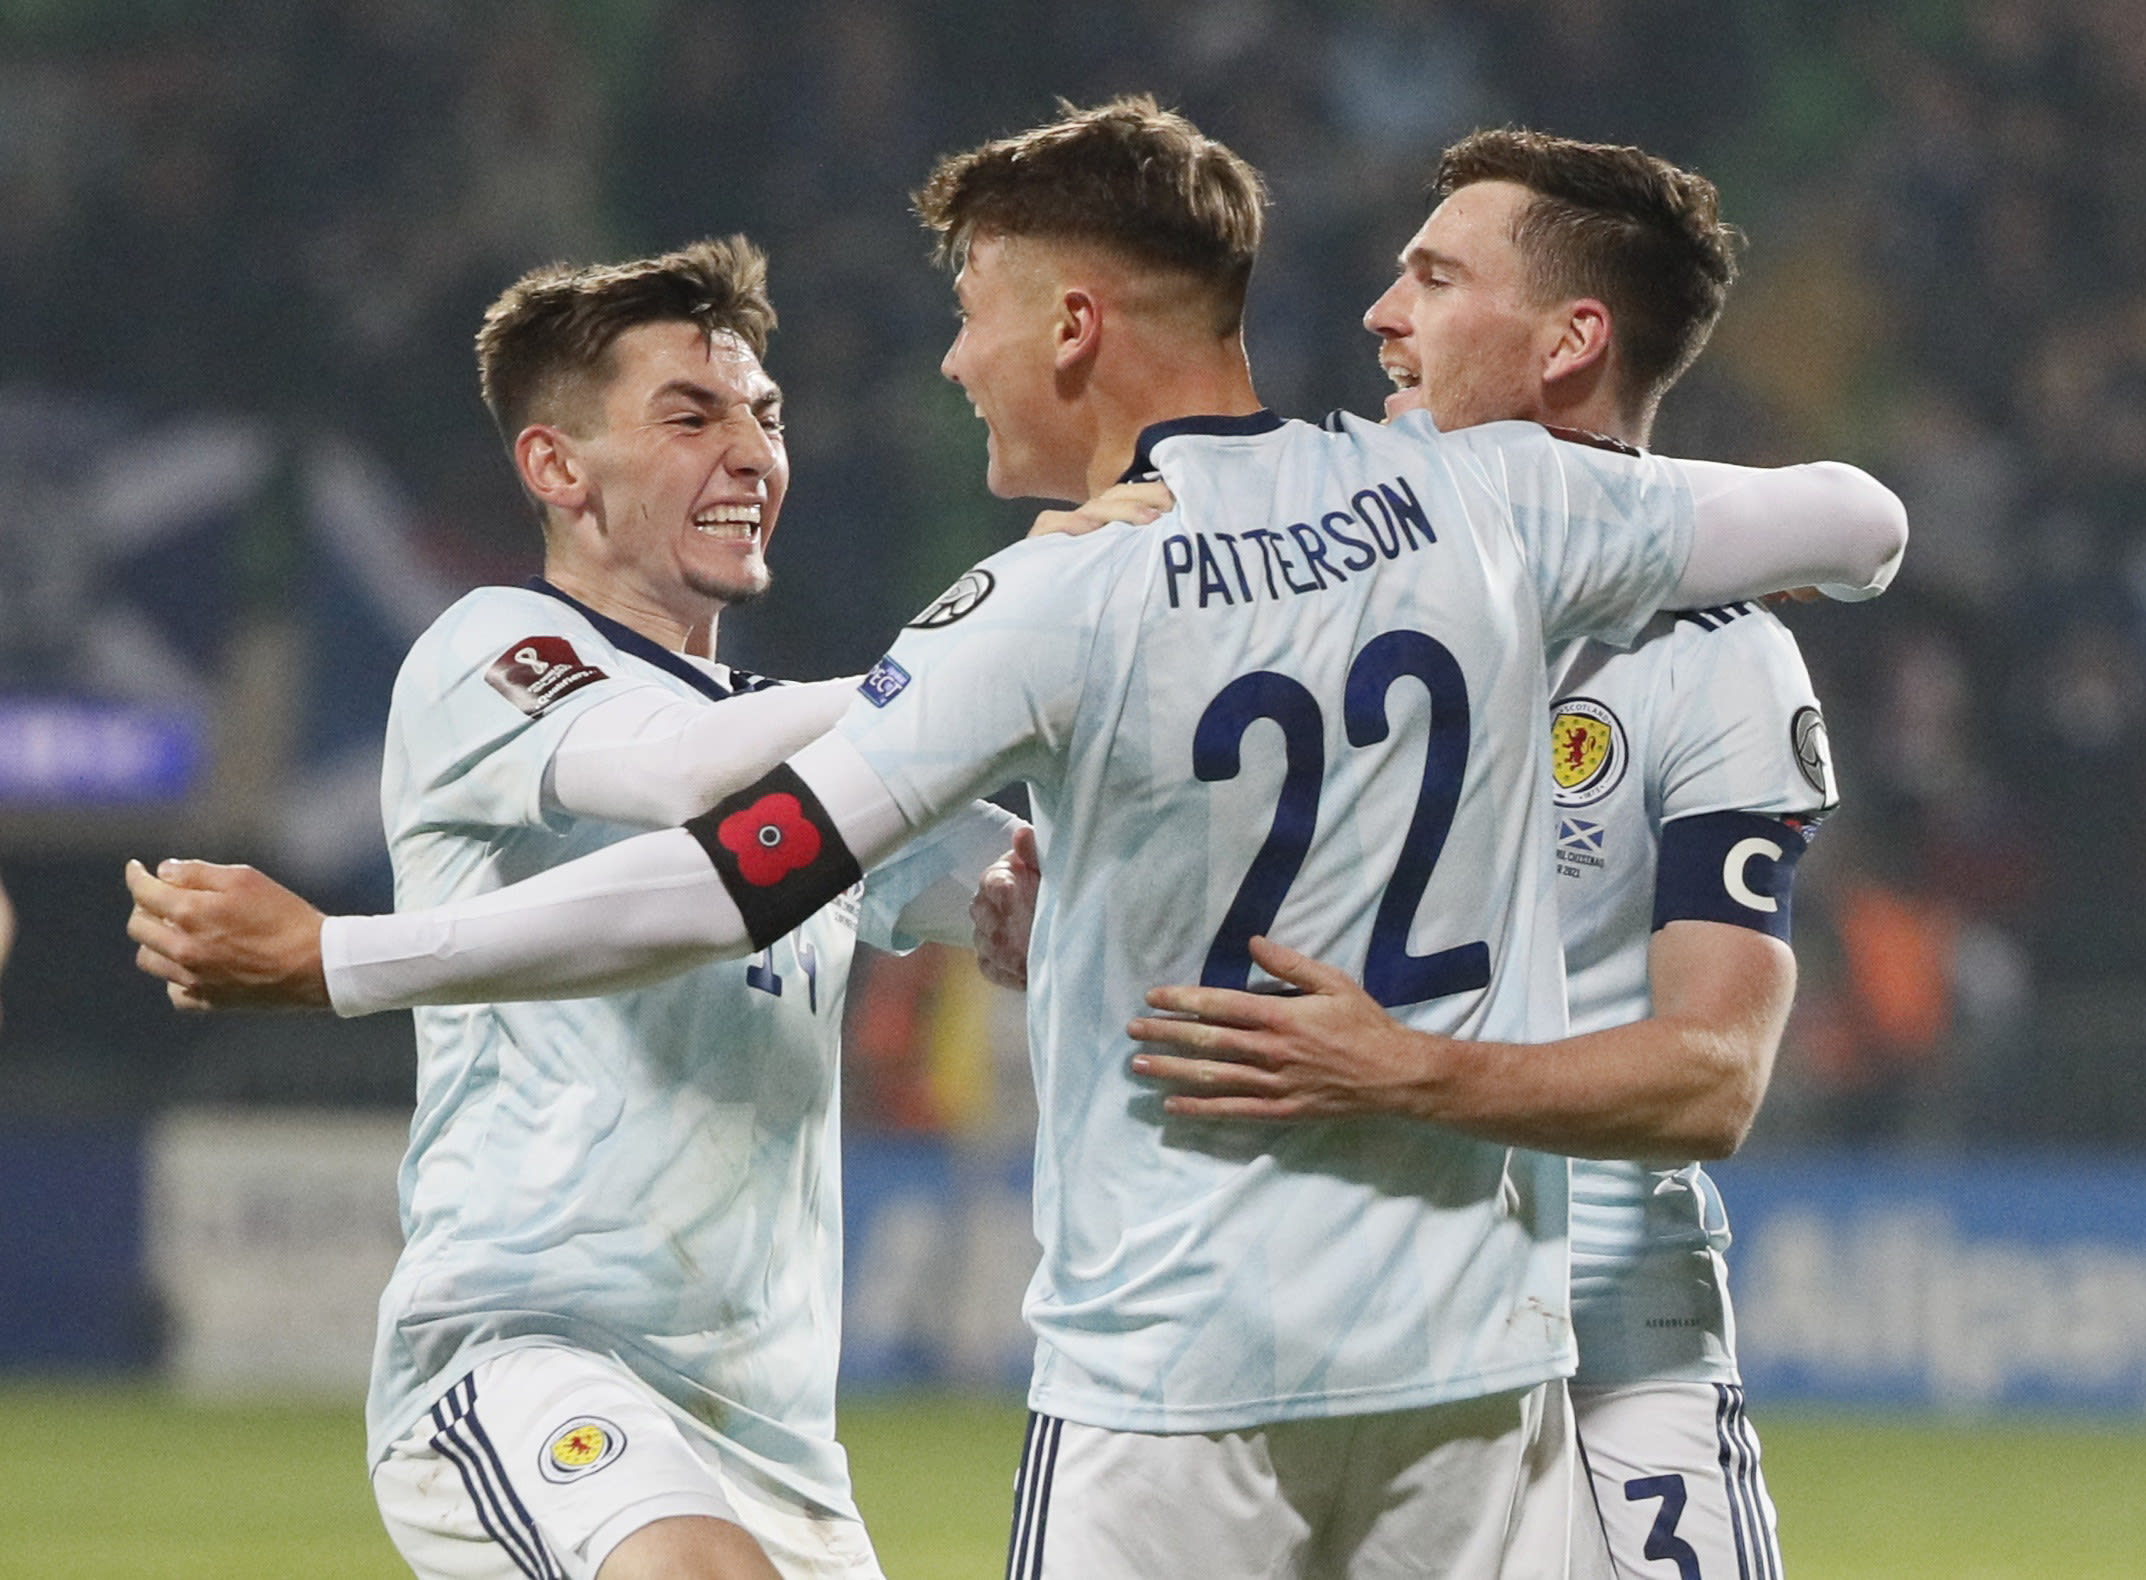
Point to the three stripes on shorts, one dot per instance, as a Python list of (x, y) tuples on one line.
[(1758, 1550), (1032, 1497), (462, 1440)]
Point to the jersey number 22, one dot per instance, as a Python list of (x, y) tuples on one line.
[(1392, 975)]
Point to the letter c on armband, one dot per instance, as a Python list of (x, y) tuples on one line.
[(1737, 861)]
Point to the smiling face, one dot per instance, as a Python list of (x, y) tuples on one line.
[(1462, 335), (684, 469), (1004, 359)]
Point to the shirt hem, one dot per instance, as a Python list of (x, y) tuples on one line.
[(1108, 1412)]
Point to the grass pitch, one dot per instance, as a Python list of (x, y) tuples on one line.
[(112, 1482)]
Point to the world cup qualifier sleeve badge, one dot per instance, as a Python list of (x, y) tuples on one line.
[(1588, 751), (538, 671)]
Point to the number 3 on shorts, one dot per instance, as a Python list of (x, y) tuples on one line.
[(1663, 1541)]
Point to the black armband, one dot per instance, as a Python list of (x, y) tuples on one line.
[(1733, 867), (777, 852)]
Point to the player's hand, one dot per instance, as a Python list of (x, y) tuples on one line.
[(1139, 503), (1005, 909), (1330, 1052), (225, 937)]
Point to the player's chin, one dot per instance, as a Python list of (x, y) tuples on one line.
[(735, 584), (1401, 402)]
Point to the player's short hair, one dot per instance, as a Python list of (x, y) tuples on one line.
[(1130, 177), (544, 352), (1636, 232)]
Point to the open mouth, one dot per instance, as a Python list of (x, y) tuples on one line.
[(731, 523), (1403, 378)]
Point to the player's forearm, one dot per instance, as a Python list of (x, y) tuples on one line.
[(633, 913), (733, 881), (649, 761), (1756, 531), (1656, 1089)]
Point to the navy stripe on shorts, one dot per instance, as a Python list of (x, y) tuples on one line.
[(463, 1441), (1032, 1497), (1758, 1551)]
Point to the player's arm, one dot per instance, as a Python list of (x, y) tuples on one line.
[(1757, 531), (647, 758), (730, 882), (1684, 1083), (228, 936), (1614, 537)]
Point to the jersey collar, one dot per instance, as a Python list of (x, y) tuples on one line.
[(1143, 468), (627, 640)]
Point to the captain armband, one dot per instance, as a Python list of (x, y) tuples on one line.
[(1733, 867), (777, 851)]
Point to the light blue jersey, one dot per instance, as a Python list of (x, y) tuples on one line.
[(1227, 719), (652, 1175), (1711, 712)]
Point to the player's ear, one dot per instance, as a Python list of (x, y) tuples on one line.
[(1078, 329), (551, 466), (1583, 341)]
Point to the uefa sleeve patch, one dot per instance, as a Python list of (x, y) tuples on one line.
[(1814, 756), (778, 853), (538, 671), (885, 681), (957, 602)]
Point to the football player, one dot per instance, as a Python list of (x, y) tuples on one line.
[(1308, 1349)]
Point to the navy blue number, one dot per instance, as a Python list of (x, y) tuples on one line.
[(1663, 1541), (1216, 756), (760, 972), (1392, 975)]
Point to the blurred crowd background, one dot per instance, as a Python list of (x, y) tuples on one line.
[(244, 245)]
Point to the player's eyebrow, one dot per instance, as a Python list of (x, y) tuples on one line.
[(701, 395), (1422, 260)]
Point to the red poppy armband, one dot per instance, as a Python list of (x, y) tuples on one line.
[(777, 851)]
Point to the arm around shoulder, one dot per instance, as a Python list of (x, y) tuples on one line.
[(1756, 531)]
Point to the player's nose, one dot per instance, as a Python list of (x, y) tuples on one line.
[(1383, 317), (751, 452)]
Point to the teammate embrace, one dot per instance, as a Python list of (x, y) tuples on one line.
[(1337, 1346)]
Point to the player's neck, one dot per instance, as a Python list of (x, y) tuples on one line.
[(1594, 408), (687, 631), (1161, 389)]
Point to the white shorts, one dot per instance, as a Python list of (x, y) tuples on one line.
[(544, 1459), (1675, 1472), (1476, 1490)]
